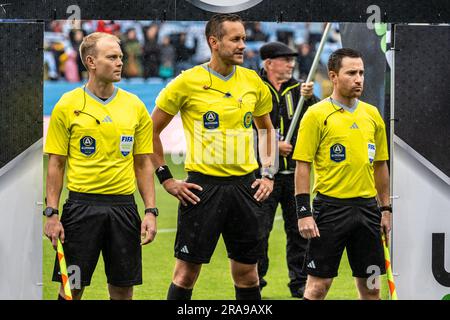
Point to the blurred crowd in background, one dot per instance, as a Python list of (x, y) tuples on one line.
[(161, 50)]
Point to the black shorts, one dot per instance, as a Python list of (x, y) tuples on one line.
[(353, 224), (226, 207), (102, 223)]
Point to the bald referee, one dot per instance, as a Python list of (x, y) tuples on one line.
[(218, 102), (104, 136), (345, 139)]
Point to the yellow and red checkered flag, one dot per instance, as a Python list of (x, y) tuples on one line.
[(63, 270), (390, 276)]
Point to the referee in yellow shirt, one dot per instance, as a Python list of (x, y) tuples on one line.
[(218, 102), (104, 135), (345, 139)]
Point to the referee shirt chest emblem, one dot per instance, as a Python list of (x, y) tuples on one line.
[(248, 117), (87, 145), (211, 120), (337, 152), (126, 144)]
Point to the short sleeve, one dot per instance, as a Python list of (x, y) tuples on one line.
[(57, 141), (264, 104), (173, 96), (143, 136), (381, 153), (308, 138)]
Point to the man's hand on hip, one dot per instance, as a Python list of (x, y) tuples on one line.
[(180, 190), (264, 190)]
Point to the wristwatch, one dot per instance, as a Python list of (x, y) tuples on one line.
[(49, 211), (267, 175), (153, 211), (386, 208)]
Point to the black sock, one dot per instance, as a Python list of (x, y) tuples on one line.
[(61, 297), (178, 293), (252, 293)]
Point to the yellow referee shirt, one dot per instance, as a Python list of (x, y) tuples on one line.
[(100, 155), (217, 114), (343, 144)]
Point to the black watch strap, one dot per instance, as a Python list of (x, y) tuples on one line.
[(268, 172), (386, 208), (49, 211), (153, 211)]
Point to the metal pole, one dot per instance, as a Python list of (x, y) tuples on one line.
[(391, 138), (311, 74)]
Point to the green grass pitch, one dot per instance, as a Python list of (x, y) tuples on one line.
[(215, 279)]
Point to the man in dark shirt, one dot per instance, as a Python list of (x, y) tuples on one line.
[(279, 63)]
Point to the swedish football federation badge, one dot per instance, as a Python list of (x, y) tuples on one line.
[(87, 145), (211, 120), (337, 152), (126, 144), (248, 117)]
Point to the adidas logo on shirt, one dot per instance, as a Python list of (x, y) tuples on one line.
[(184, 249), (107, 119), (312, 265), (302, 209), (354, 126)]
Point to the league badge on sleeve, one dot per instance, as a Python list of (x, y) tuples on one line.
[(372, 151), (337, 152), (126, 144), (211, 120), (248, 117), (87, 145)]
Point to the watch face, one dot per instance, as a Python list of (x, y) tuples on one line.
[(268, 176), (50, 211)]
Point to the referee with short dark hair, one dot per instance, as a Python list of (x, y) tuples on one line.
[(218, 102), (104, 135), (345, 139)]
